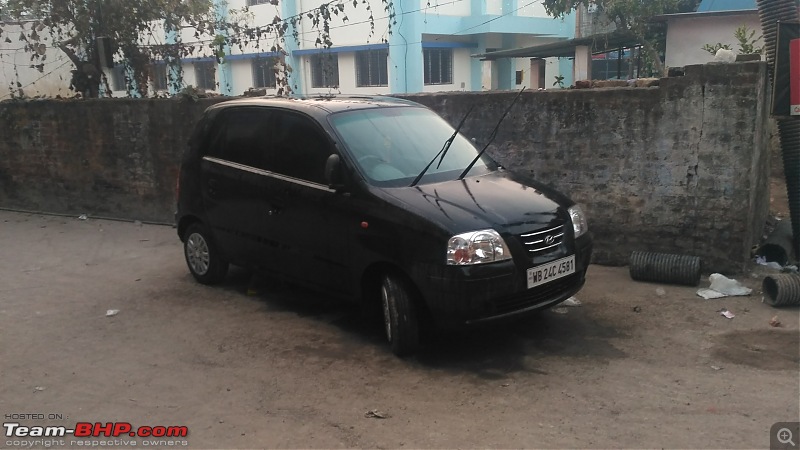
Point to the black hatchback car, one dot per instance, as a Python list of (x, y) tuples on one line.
[(379, 200)]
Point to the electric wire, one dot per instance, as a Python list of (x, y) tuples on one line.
[(38, 79)]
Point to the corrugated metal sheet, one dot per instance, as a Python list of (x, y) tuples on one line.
[(726, 5)]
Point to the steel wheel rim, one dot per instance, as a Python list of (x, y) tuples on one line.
[(197, 254), (387, 320)]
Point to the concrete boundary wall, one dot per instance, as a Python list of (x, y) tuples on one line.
[(680, 168), (113, 157)]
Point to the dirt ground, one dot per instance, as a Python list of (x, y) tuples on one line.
[(632, 367)]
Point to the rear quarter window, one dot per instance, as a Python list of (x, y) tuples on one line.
[(240, 136), (275, 140)]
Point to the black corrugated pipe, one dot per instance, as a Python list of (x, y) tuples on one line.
[(778, 246), (782, 290), (789, 129), (771, 12), (665, 268)]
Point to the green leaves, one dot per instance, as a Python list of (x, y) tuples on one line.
[(747, 40), (137, 29), (716, 47)]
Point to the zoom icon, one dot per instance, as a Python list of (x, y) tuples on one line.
[(784, 435)]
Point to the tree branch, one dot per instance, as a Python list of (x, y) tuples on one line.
[(71, 54)]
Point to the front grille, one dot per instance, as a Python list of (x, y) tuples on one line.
[(536, 296), (543, 241)]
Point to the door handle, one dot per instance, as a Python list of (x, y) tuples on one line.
[(213, 186)]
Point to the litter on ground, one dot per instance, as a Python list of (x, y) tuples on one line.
[(375, 414), (708, 294), (722, 286), (762, 261)]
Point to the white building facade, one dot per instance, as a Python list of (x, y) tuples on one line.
[(19, 79), (715, 22), (430, 48)]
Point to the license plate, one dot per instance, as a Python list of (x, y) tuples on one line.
[(551, 271)]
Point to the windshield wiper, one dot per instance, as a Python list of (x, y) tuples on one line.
[(491, 137), (444, 149)]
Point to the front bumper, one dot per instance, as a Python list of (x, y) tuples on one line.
[(468, 296)]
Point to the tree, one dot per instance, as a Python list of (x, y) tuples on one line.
[(633, 16), (86, 29), (77, 27)]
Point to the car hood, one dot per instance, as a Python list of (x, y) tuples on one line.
[(495, 200)]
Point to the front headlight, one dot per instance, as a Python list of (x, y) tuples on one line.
[(476, 247), (578, 220)]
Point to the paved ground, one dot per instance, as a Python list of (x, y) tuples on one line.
[(285, 368)]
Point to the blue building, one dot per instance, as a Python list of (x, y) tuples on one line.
[(726, 5), (428, 48)]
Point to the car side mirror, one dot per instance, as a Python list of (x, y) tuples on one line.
[(333, 172)]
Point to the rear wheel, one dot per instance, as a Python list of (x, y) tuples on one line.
[(202, 256), (400, 319)]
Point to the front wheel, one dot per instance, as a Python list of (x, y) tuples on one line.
[(399, 315), (202, 256)]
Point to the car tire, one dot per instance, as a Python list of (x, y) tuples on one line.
[(401, 323), (202, 256)]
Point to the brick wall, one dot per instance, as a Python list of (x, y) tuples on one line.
[(114, 157), (678, 168)]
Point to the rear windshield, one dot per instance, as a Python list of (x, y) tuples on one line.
[(391, 146)]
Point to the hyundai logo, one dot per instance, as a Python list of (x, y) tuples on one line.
[(549, 240)]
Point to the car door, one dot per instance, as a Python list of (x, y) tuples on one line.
[(297, 202), (230, 180)]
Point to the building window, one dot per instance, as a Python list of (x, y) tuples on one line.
[(118, 78), (438, 65), (158, 76), (264, 72), (371, 68), (519, 77), (257, 2), (324, 70), (205, 75)]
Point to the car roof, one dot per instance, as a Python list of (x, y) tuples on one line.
[(319, 105)]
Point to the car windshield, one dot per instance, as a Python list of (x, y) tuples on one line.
[(391, 146)]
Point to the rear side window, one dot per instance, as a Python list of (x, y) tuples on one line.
[(275, 140), (240, 136)]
